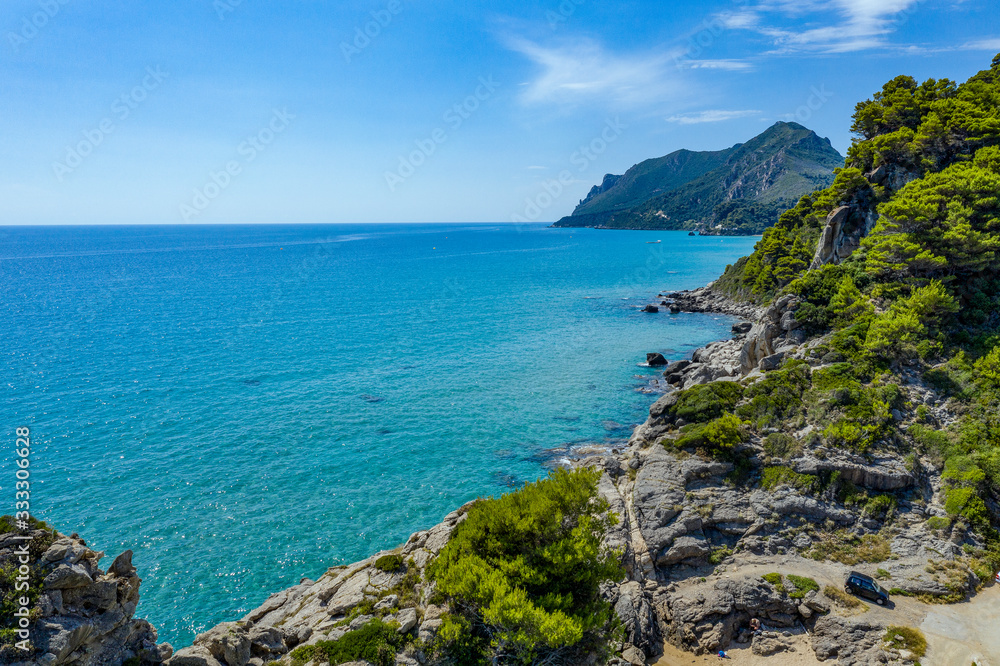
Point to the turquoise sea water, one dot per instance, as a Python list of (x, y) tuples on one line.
[(246, 406)]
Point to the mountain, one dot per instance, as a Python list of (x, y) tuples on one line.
[(739, 190)]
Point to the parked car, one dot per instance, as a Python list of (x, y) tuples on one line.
[(866, 587)]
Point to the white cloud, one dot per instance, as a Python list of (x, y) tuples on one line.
[(584, 71), (710, 116), (729, 65), (992, 44), (837, 26)]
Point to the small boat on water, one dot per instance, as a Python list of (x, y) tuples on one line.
[(652, 242)]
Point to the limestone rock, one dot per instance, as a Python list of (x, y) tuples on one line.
[(196, 655), (633, 656), (407, 619), (67, 576)]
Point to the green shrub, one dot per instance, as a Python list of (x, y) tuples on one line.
[(838, 375), (956, 377), (882, 574), (938, 523), (774, 579), (526, 568), (802, 585), (721, 434), (880, 506), (8, 524), (963, 471), (778, 396), (966, 503), (907, 638), (780, 445), (934, 443), (705, 402), (773, 477), (389, 563), (719, 554), (375, 642)]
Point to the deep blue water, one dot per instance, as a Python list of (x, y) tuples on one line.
[(246, 406)]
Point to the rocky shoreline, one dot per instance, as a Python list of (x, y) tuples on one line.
[(695, 546)]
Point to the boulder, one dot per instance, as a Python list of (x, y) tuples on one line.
[(633, 655), (67, 576), (852, 640), (407, 619), (429, 629), (676, 366), (122, 566), (266, 641), (771, 362), (196, 655), (764, 645), (742, 328), (651, 308), (655, 358)]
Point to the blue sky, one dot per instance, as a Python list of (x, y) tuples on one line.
[(231, 111)]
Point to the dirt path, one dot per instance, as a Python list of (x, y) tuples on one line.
[(957, 634)]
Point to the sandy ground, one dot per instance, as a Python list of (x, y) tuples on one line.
[(957, 634)]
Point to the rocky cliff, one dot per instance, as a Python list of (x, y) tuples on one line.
[(81, 615)]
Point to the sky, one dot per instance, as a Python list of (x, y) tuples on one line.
[(385, 111)]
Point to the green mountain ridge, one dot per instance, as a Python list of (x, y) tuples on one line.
[(738, 190)]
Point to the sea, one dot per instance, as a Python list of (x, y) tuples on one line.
[(247, 406)]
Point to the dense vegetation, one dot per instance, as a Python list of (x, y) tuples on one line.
[(522, 575), (9, 595), (741, 190), (930, 135), (919, 297), (376, 642)]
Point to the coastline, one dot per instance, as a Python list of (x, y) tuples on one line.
[(694, 549)]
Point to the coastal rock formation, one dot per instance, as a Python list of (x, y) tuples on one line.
[(655, 358), (842, 234), (327, 608), (774, 335), (83, 615), (695, 545)]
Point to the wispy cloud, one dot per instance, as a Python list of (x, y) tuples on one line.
[(584, 71), (710, 116), (728, 65), (992, 44), (828, 26)]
